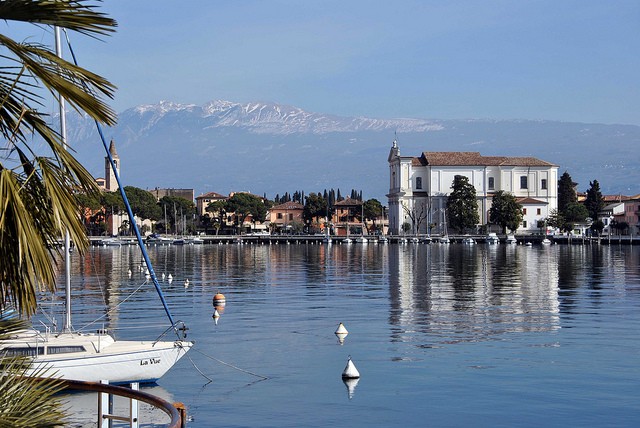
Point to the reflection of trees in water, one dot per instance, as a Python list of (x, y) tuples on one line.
[(459, 293)]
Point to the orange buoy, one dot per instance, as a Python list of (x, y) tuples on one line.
[(219, 300)]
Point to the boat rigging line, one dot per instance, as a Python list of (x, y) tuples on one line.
[(133, 223)]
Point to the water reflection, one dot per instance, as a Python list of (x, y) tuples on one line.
[(436, 292), (467, 293)]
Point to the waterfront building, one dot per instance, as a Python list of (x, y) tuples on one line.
[(347, 217), (419, 187), (283, 217), (203, 201)]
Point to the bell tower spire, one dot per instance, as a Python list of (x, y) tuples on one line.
[(111, 184)]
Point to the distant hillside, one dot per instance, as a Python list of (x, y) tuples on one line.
[(271, 148)]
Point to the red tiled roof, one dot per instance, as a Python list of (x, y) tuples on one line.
[(616, 198), (475, 159), (348, 202), (211, 195), (288, 206)]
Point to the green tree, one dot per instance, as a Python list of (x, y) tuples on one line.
[(597, 227), (505, 211), (315, 207), (594, 201), (112, 202), (576, 213), (245, 204), (462, 205), (372, 210), (39, 180), (218, 211), (555, 219), (143, 203), (566, 192)]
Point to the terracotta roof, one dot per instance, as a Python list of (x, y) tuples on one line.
[(530, 201), (211, 195), (616, 198), (475, 159), (288, 206), (348, 202)]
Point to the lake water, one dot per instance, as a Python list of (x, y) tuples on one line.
[(442, 335)]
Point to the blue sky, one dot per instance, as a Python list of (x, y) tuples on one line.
[(558, 60)]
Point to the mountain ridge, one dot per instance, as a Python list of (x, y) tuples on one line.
[(271, 148)]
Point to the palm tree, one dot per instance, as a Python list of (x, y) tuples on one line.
[(26, 401), (37, 185), (38, 182)]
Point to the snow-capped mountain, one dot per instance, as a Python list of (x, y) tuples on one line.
[(270, 148), (269, 118)]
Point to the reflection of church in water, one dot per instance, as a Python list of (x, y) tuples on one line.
[(462, 294)]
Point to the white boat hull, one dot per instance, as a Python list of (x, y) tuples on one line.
[(96, 357)]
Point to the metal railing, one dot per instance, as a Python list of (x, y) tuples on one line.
[(106, 391)]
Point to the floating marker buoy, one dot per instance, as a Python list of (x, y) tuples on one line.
[(341, 329), (163, 276), (341, 333), (219, 300), (186, 283), (350, 371), (129, 272)]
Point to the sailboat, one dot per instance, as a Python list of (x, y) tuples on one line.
[(96, 356)]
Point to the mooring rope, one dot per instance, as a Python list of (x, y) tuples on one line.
[(231, 365)]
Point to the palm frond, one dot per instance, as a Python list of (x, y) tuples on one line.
[(80, 87), (75, 15), (27, 265)]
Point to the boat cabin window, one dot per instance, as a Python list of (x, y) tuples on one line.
[(64, 349), (22, 352)]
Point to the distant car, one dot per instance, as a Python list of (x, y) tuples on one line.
[(261, 233)]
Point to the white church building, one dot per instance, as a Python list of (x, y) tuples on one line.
[(419, 187)]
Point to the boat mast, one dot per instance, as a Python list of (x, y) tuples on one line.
[(67, 239)]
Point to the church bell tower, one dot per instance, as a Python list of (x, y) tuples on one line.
[(111, 184)]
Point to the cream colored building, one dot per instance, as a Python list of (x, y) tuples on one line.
[(419, 187)]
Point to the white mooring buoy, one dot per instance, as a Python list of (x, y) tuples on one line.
[(341, 329), (341, 333), (350, 371)]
